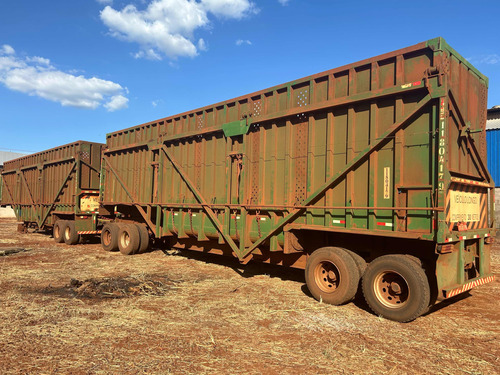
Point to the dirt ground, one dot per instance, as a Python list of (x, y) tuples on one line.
[(80, 310)]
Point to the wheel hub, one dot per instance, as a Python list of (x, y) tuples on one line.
[(107, 238), (391, 289), (125, 239), (396, 288), (332, 276), (327, 276)]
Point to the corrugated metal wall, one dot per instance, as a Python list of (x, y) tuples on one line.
[(301, 135), (37, 183), (493, 141)]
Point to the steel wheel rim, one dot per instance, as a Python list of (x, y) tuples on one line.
[(67, 233), (57, 231), (391, 289), (327, 276), (107, 237), (125, 239)]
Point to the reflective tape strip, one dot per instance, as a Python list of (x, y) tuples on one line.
[(448, 239), (469, 286), (381, 223), (470, 182), (411, 84), (338, 221), (89, 232)]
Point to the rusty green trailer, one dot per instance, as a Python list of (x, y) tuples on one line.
[(373, 171), (56, 188), (371, 174)]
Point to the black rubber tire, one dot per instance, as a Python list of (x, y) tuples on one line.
[(109, 236), (358, 259), (144, 235), (71, 237), (58, 231), (129, 239), (410, 280), (319, 278)]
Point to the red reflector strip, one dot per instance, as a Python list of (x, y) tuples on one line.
[(411, 84), (89, 232), (469, 286), (487, 235), (338, 221), (381, 223), (469, 182), (448, 239)]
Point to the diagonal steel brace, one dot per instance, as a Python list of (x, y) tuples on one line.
[(202, 201), (57, 195), (8, 191), (23, 177), (131, 196), (315, 196)]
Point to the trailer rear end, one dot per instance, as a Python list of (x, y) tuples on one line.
[(55, 189)]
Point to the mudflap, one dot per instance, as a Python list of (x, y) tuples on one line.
[(462, 266)]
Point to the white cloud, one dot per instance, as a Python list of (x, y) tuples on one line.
[(492, 59), (7, 50), (116, 102), (166, 27), (149, 54), (202, 46), (239, 42), (154, 103), (105, 2), (284, 2), (37, 77), (230, 8), (38, 60)]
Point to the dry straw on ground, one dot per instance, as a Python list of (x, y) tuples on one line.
[(80, 310)]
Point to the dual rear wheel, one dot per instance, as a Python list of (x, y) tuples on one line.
[(332, 275), (128, 238), (58, 231), (64, 231), (394, 286)]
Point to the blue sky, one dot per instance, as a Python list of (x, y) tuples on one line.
[(78, 69)]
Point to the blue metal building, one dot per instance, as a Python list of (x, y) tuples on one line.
[(493, 143)]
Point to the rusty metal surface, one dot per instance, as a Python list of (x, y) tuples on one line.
[(51, 181), (391, 147), (357, 148)]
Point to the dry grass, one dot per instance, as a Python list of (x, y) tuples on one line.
[(184, 314)]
